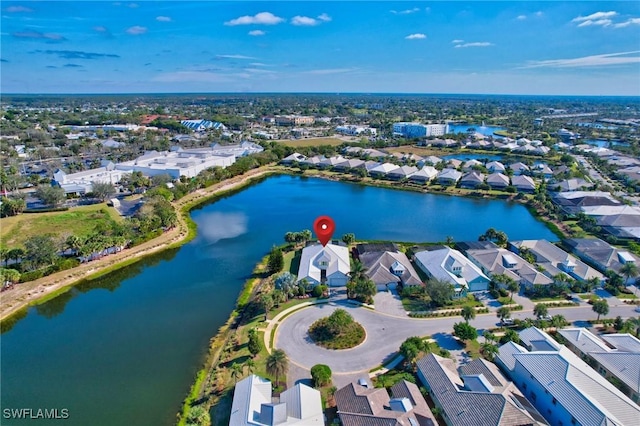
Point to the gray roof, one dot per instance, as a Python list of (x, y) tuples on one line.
[(537, 340), (624, 365), (378, 265), (623, 342), (584, 340), (499, 261), (523, 182), (403, 171), (468, 408), (604, 255)]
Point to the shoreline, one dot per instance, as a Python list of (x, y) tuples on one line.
[(15, 302)]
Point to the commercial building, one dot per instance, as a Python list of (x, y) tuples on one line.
[(417, 130)]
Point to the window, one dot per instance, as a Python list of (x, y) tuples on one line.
[(554, 401)]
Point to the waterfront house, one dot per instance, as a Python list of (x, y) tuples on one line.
[(328, 264), (330, 162), (454, 163), (293, 158), (621, 225), (601, 254), (615, 356), (472, 180), (554, 260), (478, 395), (575, 202), (523, 183), (402, 172), (370, 165), (573, 184), (495, 167), (519, 168), (448, 177), (350, 164), (469, 165), (444, 263), (382, 170), (361, 405), (498, 180), (254, 405), (431, 160), (387, 267), (424, 175), (495, 261), (563, 388)]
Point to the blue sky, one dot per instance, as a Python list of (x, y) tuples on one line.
[(504, 47)]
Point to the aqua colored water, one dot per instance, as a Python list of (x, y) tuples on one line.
[(479, 128), (123, 350)]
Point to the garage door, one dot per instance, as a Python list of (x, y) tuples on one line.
[(337, 282)]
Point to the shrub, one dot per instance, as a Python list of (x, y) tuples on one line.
[(30, 276), (321, 375)]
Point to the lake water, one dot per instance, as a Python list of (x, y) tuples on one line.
[(603, 143), (468, 156), (479, 128), (123, 350)]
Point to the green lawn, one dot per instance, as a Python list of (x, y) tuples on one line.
[(558, 298), (311, 142), (414, 305), (626, 296), (15, 230), (292, 261), (507, 300)]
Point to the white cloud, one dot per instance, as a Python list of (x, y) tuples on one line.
[(163, 19), (521, 17), (632, 21), (257, 33), (608, 59), (262, 18), (475, 44), (595, 16), (136, 30), (304, 21), (234, 57), (406, 12), (539, 13), (457, 41), (598, 23), (324, 17), (417, 36)]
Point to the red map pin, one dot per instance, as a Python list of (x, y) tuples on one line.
[(324, 227)]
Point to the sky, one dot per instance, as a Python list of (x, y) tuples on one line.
[(502, 47)]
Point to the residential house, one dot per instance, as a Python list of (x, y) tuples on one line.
[(573, 184), (601, 254), (478, 395), (454, 163), (471, 180), (350, 164), (543, 170), (370, 165), (360, 405), (495, 167), (382, 170), (617, 357), (424, 175), (293, 158), (574, 202), (444, 263), (464, 246), (523, 183), (328, 264), (564, 389), (431, 160), (469, 165), (448, 177), (621, 225), (330, 162), (388, 267), (554, 260), (253, 404), (496, 261), (498, 180), (402, 172), (519, 168)]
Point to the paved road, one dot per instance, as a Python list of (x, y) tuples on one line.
[(385, 333)]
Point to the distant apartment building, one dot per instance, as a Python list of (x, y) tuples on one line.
[(202, 125), (356, 130), (294, 120), (417, 130)]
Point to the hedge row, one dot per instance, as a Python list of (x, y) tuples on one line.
[(445, 313)]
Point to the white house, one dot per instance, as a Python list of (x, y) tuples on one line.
[(253, 405), (450, 265), (328, 264)]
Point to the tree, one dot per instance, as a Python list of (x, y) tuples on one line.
[(321, 375), (102, 190), (512, 286), (12, 206), (558, 321), (285, 281), (349, 238), (250, 364), (197, 416), (510, 336), (489, 350), (365, 290), (489, 336), (10, 276), (254, 345), (618, 324), (51, 196), (412, 347), (338, 321), (464, 331), (275, 263), (600, 307), (15, 254), (266, 300), (40, 250), (439, 291), (468, 313), (629, 270), (540, 310), (277, 364), (358, 271), (503, 313), (236, 371)]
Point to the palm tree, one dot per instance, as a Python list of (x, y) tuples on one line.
[(503, 313), (629, 270), (277, 364), (489, 350), (250, 364), (468, 313), (558, 321), (512, 286), (489, 336), (358, 271), (236, 371), (540, 310)]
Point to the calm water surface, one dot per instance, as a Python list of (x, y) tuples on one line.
[(123, 350), (479, 128)]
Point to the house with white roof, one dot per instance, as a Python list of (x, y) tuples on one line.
[(444, 263), (471, 180), (448, 177), (495, 167), (498, 180), (328, 264), (563, 388), (614, 356), (382, 169), (293, 158), (602, 255), (424, 175), (402, 172), (253, 405), (350, 164), (523, 183), (519, 168)]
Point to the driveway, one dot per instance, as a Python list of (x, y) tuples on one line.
[(388, 302)]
